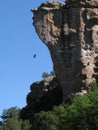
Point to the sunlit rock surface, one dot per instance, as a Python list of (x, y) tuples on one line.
[(70, 31)]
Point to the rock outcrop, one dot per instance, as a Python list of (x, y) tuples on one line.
[(70, 31), (43, 96)]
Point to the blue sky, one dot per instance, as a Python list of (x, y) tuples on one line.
[(18, 44)]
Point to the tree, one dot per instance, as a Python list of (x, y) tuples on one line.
[(45, 75), (82, 114), (52, 73), (51, 1), (9, 113), (11, 121), (15, 124), (12, 124), (45, 121)]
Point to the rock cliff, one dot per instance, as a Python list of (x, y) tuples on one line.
[(43, 96), (70, 31)]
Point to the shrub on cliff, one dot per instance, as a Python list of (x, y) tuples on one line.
[(45, 74), (11, 121), (45, 121), (81, 114)]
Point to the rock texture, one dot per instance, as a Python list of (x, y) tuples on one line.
[(45, 94), (42, 97), (70, 31)]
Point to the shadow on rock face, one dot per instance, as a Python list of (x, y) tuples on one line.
[(43, 96)]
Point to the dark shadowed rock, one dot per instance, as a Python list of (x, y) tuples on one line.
[(43, 96)]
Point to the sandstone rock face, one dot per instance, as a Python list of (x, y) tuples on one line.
[(70, 31)]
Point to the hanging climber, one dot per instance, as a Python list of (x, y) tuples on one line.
[(34, 56)]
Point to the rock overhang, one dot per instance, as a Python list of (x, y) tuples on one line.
[(70, 32)]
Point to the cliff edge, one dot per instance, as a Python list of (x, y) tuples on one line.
[(70, 31)]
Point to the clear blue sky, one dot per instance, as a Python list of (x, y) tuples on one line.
[(18, 44)]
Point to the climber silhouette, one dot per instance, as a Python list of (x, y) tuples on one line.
[(34, 56)]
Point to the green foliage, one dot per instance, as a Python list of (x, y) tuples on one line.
[(93, 86), (12, 124), (11, 121), (45, 121), (11, 112), (81, 114), (45, 74), (25, 125), (52, 1), (15, 124), (1, 128), (52, 73)]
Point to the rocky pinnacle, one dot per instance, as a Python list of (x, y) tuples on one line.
[(70, 31)]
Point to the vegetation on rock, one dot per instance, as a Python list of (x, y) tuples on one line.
[(11, 121), (45, 74), (80, 113)]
